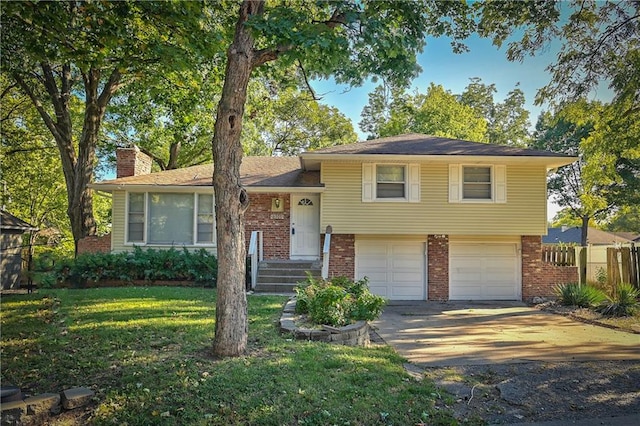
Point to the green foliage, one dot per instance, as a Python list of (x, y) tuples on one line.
[(338, 301), (584, 296), (623, 302), (507, 121), (437, 112), (149, 265), (286, 121), (601, 276)]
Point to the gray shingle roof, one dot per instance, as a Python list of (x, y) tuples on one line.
[(254, 172), (418, 144)]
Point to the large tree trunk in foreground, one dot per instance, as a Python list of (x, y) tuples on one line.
[(231, 199)]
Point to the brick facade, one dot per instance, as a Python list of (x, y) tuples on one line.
[(95, 244), (342, 260), (540, 278), (132, 162), (275, 226), (438, 267)]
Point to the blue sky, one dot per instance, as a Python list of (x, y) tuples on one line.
[(453, 71)]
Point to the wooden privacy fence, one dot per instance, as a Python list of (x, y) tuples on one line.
[(559, 255), (623, 265)]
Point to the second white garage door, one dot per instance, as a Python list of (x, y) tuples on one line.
[(395, 268), (479, 271)]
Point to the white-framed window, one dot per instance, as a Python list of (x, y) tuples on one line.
[(169, 218), (477, 183), (135, 217), (390, 182)]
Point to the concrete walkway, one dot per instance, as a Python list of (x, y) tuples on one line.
[(474, 333)]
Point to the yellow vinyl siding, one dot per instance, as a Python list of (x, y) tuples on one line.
[(118, 215), (524, 213)]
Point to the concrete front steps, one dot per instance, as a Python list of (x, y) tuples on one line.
[(281, 276)]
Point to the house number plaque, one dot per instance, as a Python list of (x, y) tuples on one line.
[(277, 216)]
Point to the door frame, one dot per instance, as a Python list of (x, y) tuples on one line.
[(295, 197)]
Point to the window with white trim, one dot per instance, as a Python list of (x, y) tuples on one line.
[(166, 218), (477, 183), (135, 232), (391, 182)]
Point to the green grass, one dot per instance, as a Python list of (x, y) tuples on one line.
[(145, 351)]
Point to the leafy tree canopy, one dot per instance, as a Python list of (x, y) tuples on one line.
[(507, 121), (600, 43), (606, 177)]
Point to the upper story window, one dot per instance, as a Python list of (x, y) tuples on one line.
[(477, 183), (165, 218), (390, 181)]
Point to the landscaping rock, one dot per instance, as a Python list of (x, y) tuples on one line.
[(76, 397), (12, 412), (46, 403)]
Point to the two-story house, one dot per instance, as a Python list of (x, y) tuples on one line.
[(423, 217)]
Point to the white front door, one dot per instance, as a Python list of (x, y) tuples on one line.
[(305, 226)]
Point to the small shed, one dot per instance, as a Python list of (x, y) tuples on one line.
[(11, 230)]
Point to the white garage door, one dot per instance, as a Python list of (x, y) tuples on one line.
[(395, 268), (484, 271)]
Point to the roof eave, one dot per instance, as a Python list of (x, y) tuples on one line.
[(202, 188), (311, 161)]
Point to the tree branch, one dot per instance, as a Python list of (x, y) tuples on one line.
[(33, 149), (112, 85), (306, 82), (155, 158), (48, 121), (262, 56)]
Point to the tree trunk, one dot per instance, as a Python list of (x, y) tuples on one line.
[(584, 230), (231, 199)]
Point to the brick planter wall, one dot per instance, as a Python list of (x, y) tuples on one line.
[(342, 258), (539, 278), (95, 244), (275, 226)]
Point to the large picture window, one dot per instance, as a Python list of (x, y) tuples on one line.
[(164, 218)]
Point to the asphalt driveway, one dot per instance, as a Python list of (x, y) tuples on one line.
[(475, 333)]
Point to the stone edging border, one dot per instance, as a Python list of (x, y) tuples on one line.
[(356, 334)]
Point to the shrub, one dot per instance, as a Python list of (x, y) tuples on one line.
[(623, 302), (337, 302), (584, 296), (149, 265)]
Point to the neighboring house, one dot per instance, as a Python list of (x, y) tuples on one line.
[(423, 217), (11, 230), (596, 237)]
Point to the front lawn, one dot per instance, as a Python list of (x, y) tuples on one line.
[(144, 351)]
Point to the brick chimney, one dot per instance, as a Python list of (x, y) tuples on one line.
[(132, 162)]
